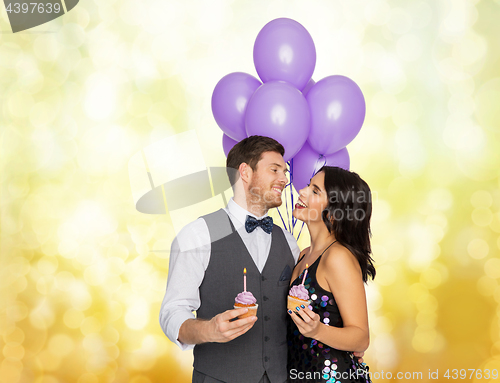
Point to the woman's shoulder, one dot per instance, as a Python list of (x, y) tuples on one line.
[(339, 259)]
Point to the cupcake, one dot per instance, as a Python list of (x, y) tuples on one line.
[(246, 299), (298, 295)]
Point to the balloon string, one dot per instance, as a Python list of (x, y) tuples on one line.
[(282, 220), (300, 230), (291, 192), (286, 207)]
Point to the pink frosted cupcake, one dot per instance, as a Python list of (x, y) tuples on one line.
[(298, 295), (246, 299)]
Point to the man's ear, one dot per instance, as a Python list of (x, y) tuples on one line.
[(245, 172)]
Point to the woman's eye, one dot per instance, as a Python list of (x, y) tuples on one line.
[(314, 191)]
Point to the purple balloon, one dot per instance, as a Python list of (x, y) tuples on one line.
[(308, 87), (337, 110), (229, 101), (227, 144), (307, 162), (284, 50), (279, 110)]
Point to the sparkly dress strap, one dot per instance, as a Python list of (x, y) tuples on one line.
[(300, 259)]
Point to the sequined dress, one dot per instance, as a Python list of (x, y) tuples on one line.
[(307, 355)]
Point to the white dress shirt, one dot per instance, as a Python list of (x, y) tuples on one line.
[(189, 258)]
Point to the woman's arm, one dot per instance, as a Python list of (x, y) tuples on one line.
[(341, 272)]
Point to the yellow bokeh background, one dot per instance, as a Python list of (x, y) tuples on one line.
[(80, 275)]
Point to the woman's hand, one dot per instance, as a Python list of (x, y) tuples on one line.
[(307, 321), (359, 355)]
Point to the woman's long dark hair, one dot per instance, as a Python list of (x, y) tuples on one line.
[(348, 214)]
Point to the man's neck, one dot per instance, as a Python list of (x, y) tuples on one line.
[(247, 204)]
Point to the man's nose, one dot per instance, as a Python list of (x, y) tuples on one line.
[(283, 178)]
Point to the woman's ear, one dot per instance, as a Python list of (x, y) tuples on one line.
[(329, 217)]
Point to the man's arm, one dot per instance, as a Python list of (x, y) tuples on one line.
[(218, 329), (189, 257)]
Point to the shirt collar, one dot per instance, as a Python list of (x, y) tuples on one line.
[(240, 213)]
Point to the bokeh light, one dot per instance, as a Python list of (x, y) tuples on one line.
[(83, 272)]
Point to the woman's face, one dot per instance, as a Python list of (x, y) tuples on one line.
[(313, 200)]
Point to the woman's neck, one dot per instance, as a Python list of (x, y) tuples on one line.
[(320, 236)]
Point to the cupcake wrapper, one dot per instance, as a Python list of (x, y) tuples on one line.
[(293, 302), (252, 310)]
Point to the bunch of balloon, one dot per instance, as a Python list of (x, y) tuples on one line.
[(313, 121)]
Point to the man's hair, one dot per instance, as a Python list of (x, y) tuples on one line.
[(250, 150)]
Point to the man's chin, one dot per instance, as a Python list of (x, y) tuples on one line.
[(274, 204)]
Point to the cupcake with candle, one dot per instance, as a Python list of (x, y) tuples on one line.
[(298, 295), (246, 299)]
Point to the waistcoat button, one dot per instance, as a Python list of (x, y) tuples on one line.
[(265, 298)]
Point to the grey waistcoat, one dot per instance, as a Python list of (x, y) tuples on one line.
[(263, 348)]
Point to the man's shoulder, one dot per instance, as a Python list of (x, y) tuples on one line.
[(195, 228), (292, 243), (206, 229), (194, 235), (213, 215), (289, 236), (199, 223)]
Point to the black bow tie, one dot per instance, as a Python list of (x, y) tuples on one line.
[(265, 223)]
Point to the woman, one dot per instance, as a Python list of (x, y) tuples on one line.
[(336, 206)]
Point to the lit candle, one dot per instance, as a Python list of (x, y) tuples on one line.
[(305, 274), (245, 279)]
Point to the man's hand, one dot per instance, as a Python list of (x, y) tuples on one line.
[(222, 329)]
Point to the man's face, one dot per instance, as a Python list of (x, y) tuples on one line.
[(268, 180)]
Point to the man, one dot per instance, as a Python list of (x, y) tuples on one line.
[(206, 273)]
